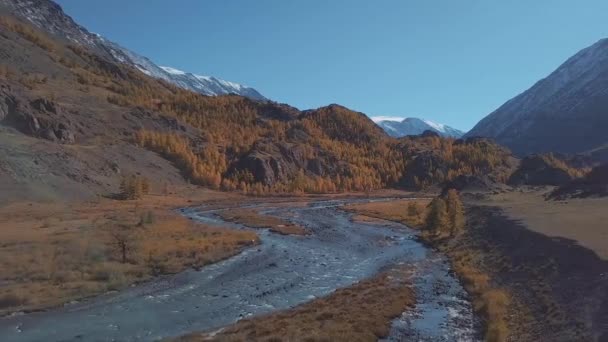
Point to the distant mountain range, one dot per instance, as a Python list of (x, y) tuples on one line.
[(565, 112), (415, 126), (49, 16)]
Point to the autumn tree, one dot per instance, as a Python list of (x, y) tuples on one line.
[(437, 220), (229, 127), (123, 240), (125, 190), (134, 187), (145, 185), (412, 209), (455, 211)]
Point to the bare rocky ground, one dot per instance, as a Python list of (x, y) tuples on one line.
[(282, 272), (38, 170)]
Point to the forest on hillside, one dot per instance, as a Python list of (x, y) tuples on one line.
[(256, 147)]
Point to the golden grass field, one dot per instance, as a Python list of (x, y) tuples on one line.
[(582, 220), (52, 253), (361, 312), (392, 210)]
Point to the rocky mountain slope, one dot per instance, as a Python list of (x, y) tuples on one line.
[(49, 16), (565, 112), (415, 126), (74, 121)]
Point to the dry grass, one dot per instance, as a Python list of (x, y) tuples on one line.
[(362, 312), (54, 253), (490, 303), (28, 32), (396, 210), (254, 219), (582, 220)]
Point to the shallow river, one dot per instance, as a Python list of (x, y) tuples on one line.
[(280, 273)]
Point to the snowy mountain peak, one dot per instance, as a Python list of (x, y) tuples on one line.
[(396, 127), (49, 16)]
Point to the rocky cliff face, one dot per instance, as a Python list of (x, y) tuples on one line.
[(39, 118), (271, 163)]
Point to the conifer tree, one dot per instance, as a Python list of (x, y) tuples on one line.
[(437, 220), (455, 212), (124, 188), (145, 186), (133, 187)]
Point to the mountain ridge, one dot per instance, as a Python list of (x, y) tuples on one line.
[(49, 16), (416, 126), (563, 112)]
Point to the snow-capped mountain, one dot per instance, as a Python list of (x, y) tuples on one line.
[(49, 16), (565, 112), (415, 126), (209, 85)]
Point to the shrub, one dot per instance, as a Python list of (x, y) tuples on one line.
[(11, 300), (412, 210), (147, 218)]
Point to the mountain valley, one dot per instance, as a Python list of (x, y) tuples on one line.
[(140, 202)]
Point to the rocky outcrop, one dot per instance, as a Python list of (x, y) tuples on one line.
[(594, 184), (271, 163), (423, 169), (471, 183), (539, 170), (8, 105), (39, 118)]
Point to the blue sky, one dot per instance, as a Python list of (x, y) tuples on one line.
[(448, 61)]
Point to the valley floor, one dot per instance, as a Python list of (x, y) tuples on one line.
[(535, 269), (377, 265)]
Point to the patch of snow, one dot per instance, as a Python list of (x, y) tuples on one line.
[(172, 71), (437, 126), (387, 118), (203, 78), (415, 126)]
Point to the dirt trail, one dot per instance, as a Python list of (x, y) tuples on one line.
[(280, 273)]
